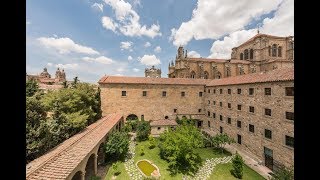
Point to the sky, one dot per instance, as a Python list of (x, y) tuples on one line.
[(93, 38)]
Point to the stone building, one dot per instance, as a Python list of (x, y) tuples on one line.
[(260, 53), (160, 126), (152, 72)]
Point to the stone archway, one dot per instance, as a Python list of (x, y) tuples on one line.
[(101, 155), (90, 167), (77, 176), (132, 117)]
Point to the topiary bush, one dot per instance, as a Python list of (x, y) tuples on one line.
[(237, 164)]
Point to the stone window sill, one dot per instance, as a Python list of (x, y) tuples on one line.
[(288, 147)]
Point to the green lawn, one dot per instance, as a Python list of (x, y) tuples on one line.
[(122, 176), (222, 172)]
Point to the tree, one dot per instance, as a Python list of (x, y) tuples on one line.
[(143, 130), (31, 87), (152, 142), (283, 173), (117, 145), (65, 85), (75, 82), (221, 140), (177, 148), (237, 164)]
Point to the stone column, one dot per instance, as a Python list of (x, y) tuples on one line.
[(95, 164), (83, 175)]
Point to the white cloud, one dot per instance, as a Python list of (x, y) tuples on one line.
[(147, 44), (213, 19), (128, 20), (193, 54), (28, 22), (117, 75), (150, 60), (282, 24), (101, 59), (66, 45), (126, 45), (129, 58), (135, 70), (54, 35), (49, 64), (67, 66), (120, 69), (157, 49), (108, 23), (97, 6)]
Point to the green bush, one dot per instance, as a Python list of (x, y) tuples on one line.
[(143, 130), (141, 151), (152, 142), (237, 164)]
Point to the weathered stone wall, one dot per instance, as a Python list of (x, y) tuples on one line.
[(156, 132)]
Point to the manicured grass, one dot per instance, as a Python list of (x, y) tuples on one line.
[(146, 167), (122, 176), (222, 172)]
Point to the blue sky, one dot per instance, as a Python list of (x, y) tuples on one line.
[(93, 38)]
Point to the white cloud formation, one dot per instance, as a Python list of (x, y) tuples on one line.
[(147, 44), (128, 20), (213, 19), (282, 24), (157, 49), (126, 45), (120, 69), (98, 7), (101, 59), (67, 66), (149, 60), (117, 75), (49, 64), (108, 23), (129, 58), (66, 45), (135, 70), (193, 54)]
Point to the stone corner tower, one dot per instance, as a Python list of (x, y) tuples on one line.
[(152, 72)]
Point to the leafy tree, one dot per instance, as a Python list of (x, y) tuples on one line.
[(75, 82), (177, 148), (97, 104), (221, 140), (152, 142), (31, 87), (237, 164), (141, 151), (283, 173), (143, 130), (117, 145), (65, 85)]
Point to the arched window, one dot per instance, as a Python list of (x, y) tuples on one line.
[(246, 54), (192, 75), (206, 75), (218, 75), (241, 56), (279, 51), (274, 50), (269, 50), (251, 53), (228, 71)]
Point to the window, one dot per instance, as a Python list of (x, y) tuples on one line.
[(142, 117), (164, 93), (214, 91), (290, 115), (221, 118), (221, 129), (274, 50), (239, 138), (251, 53), (251, 109), (220, 104), (208, 123), (199, 110), (229, 105), (159, 128), (208, 101), (246, 54), (175, 110), (229, 91), (251, 91), (267, 112), (124, 93), (289, 141), (239, 107), (289, 91), (241, 56), (267, 91), (209, 91), (183, 94), (251, 128), (279, 51), (239, 91), (214, 102), (220, 91), (166, 117), (268, 133), (144, 93), (209, 113), (200, 94), (239, 124), (229, 120), (214, 115)]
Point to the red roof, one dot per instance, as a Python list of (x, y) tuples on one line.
[(61, 161), (258, 35), (281, 74), (164, 123)]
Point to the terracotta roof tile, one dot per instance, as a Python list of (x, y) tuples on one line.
[(163, 123)]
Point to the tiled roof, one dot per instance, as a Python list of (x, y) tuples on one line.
[(164, 123), (281, 74), (48, 86), (145, 80), (207, 60), (236, 61), (259, 35), (61, 161)]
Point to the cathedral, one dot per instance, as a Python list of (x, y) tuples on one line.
[(261, 53)]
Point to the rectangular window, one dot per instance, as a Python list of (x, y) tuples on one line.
[(267, 112), (214, 91), (239, 124), (251, 91), (209, 113), (164, 93), (183, 94), (268, 133), (220, 104), (229, 105), (159, 128), (175, 110), (221, 118), (267, 91), (229, 91), (144, 93), (199, 110), (221, 129), (289, 141), (239, 91), (208, 101), (220, 91), (251, 109), (214, 102), (124, 93), (289, 91), (239, 138), (200, 94), (239, 107), (251, 128), (214, 115), (208, 123), (290, 115), (209, 91), (229, 120)]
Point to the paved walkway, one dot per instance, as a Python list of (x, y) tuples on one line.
[(129, 164), (249, 159)]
